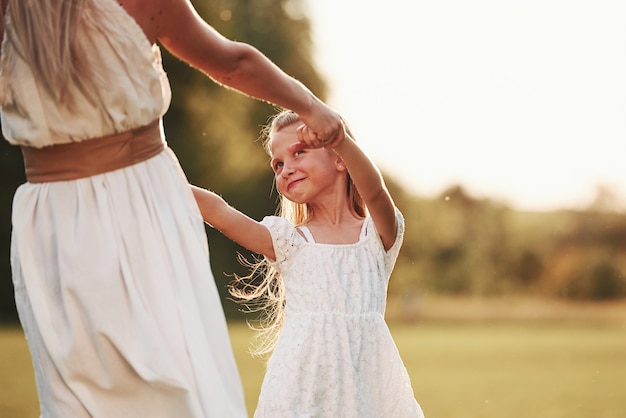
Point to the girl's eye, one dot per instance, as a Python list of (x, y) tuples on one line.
[(298, 152), (278, 165)]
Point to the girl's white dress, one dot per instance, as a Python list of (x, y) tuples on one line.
[(335, 357), (111, 273)]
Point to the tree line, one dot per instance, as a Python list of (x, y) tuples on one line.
[(460, 245)]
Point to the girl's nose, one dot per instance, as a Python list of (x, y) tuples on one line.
[(288, 169)]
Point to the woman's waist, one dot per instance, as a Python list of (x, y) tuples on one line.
[(94, 156)]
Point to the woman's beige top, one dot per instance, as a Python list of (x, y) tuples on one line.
[(134, 89)]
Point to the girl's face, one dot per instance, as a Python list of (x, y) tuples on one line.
[(302, 174)]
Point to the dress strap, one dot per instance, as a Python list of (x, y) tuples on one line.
[(306, 233), (90, 157), (365, 227)]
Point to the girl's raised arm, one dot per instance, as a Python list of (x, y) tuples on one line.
[(237, 226), (371, 186)]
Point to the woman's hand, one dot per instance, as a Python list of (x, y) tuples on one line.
[(330, 133)]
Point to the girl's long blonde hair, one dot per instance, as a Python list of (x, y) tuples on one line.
[(263, 290), (45, 34)]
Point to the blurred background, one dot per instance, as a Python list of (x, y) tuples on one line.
[(499, 126), (521, 101), (410, 76)]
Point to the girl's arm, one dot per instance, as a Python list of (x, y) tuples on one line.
[(366, 177), (371, 186), (237, 226), (237, 65)]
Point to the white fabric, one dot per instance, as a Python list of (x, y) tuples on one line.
[(134, 88), (111, 273), (335, 356)]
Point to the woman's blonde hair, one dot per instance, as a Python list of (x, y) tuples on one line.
[(45, 34), (263, 289)]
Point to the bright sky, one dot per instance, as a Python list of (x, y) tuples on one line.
[(520, 101)]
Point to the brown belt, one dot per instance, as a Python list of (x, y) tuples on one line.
[(87, 158)]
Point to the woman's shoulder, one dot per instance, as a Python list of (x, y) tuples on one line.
[(145, 14)]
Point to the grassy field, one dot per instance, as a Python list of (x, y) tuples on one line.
[(459, 369)]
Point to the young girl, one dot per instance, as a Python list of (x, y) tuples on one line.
[(328, 257)]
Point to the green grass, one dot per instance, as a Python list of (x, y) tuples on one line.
[(457, 369), (18, 398), (516, 371)]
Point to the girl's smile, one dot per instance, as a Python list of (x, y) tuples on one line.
[(293, 183)]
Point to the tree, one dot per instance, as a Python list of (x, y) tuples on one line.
[(11, 176)]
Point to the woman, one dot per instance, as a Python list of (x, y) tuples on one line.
[(113, 290)]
